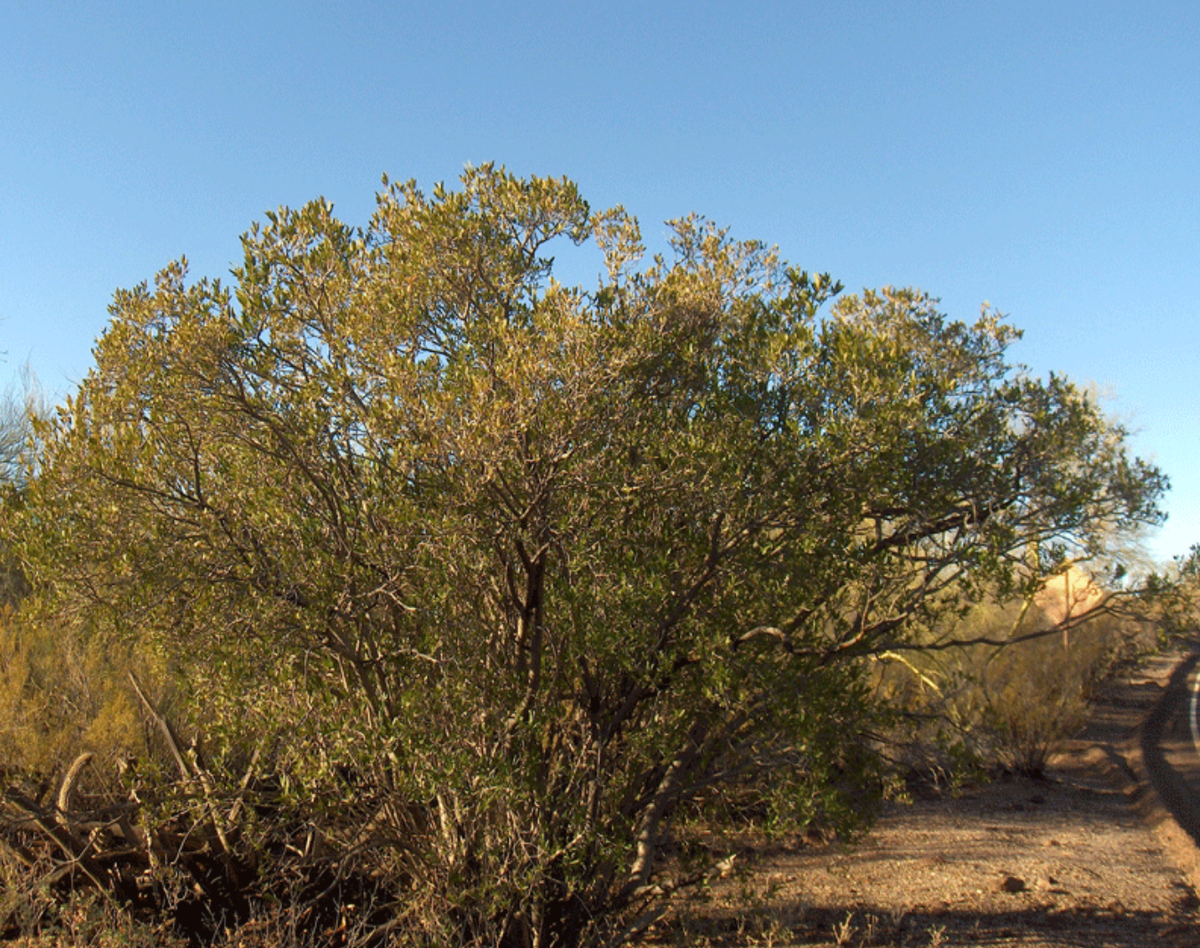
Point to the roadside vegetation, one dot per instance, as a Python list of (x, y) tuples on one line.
[(397, 594)]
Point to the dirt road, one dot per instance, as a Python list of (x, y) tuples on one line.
[(1090, 857)]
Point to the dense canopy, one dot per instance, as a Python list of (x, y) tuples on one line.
[(537, 564)]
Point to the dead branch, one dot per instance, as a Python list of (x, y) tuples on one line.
[(164, 726), (67, 790)]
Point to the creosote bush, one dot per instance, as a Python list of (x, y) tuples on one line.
[(474, 582)]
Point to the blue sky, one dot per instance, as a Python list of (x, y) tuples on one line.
[(1041, 156)]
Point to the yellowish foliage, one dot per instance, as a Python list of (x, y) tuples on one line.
[(61, 695)]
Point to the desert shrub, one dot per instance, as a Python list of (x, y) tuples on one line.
[(1037, 691), (473, 583), (61, 694), (1035, 694), (1174, 600), (1017, 682)]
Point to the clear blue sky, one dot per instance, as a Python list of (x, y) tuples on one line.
[(1042, 156)]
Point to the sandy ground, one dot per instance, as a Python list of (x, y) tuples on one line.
[(1085, 857)]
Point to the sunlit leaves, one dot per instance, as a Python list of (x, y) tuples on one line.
[(570, 555)]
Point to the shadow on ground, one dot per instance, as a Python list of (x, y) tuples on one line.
[(858, 927)]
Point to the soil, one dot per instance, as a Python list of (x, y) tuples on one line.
[(1085, 857)]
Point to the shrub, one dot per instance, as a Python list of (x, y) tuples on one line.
[(481, 580)]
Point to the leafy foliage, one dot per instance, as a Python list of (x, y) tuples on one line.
[(498, 574)]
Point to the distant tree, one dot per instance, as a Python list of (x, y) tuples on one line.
[(1174, 595), (14, 432), (537, 566), (19, 407)]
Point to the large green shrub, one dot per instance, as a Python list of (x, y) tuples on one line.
[(487, 577)]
